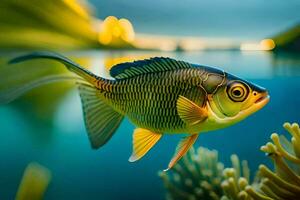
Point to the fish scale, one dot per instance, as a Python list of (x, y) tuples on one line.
[(149, 100)]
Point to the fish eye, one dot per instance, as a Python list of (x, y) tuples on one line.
[(237, 91)]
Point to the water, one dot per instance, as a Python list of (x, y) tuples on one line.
[(56, 137)]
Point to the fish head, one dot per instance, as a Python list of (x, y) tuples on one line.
[(235, 100)]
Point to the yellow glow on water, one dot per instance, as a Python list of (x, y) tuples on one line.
[(116, 32), (263, 45), (267, 44)]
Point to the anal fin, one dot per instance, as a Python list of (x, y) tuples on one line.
[(183, 146), (143, 141), (101, 120)]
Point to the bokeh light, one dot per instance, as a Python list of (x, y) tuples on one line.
[(116, 32)]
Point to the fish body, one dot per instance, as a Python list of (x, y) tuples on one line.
[(149, 100), (161, 95)]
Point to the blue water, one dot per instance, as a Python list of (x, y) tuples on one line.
[(57, 138)]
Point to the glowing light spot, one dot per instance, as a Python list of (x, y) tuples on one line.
[(267, 44), (264, 45), (116, 32)]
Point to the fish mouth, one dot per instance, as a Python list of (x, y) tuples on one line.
[(258, 104), (263, 100)]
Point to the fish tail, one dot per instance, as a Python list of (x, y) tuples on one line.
[(101, 119)]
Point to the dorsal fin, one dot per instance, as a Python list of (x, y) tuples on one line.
[(156, 64)]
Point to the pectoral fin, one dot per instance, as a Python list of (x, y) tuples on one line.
[(183, 146), (190, 112), (143, 141)]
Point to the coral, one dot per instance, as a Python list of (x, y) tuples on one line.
[(196, 176), (236, 179), (199, 175), (282, 184)]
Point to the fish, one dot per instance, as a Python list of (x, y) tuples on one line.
[(159, 95)]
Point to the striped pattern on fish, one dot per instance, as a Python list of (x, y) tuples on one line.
[(158, 95)]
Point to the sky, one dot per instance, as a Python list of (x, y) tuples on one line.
[(250, 19)]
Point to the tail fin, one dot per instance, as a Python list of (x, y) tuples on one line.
[(72, 66), (101, 120)]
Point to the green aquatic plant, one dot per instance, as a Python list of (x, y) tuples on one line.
[(34, 183), (283, 183), (186, 180), (201, 176), (236, 180), (197, 176)]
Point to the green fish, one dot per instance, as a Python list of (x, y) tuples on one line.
[(159, 95)]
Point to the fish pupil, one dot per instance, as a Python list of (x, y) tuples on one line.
[(237, 93)]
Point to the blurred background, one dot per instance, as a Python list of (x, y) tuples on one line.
[(254, 39)]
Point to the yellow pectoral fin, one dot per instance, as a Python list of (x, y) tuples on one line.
[(190, 112), (183, 146), (143, 141)]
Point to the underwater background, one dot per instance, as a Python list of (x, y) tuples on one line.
[(46, 125), (57, 138)]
